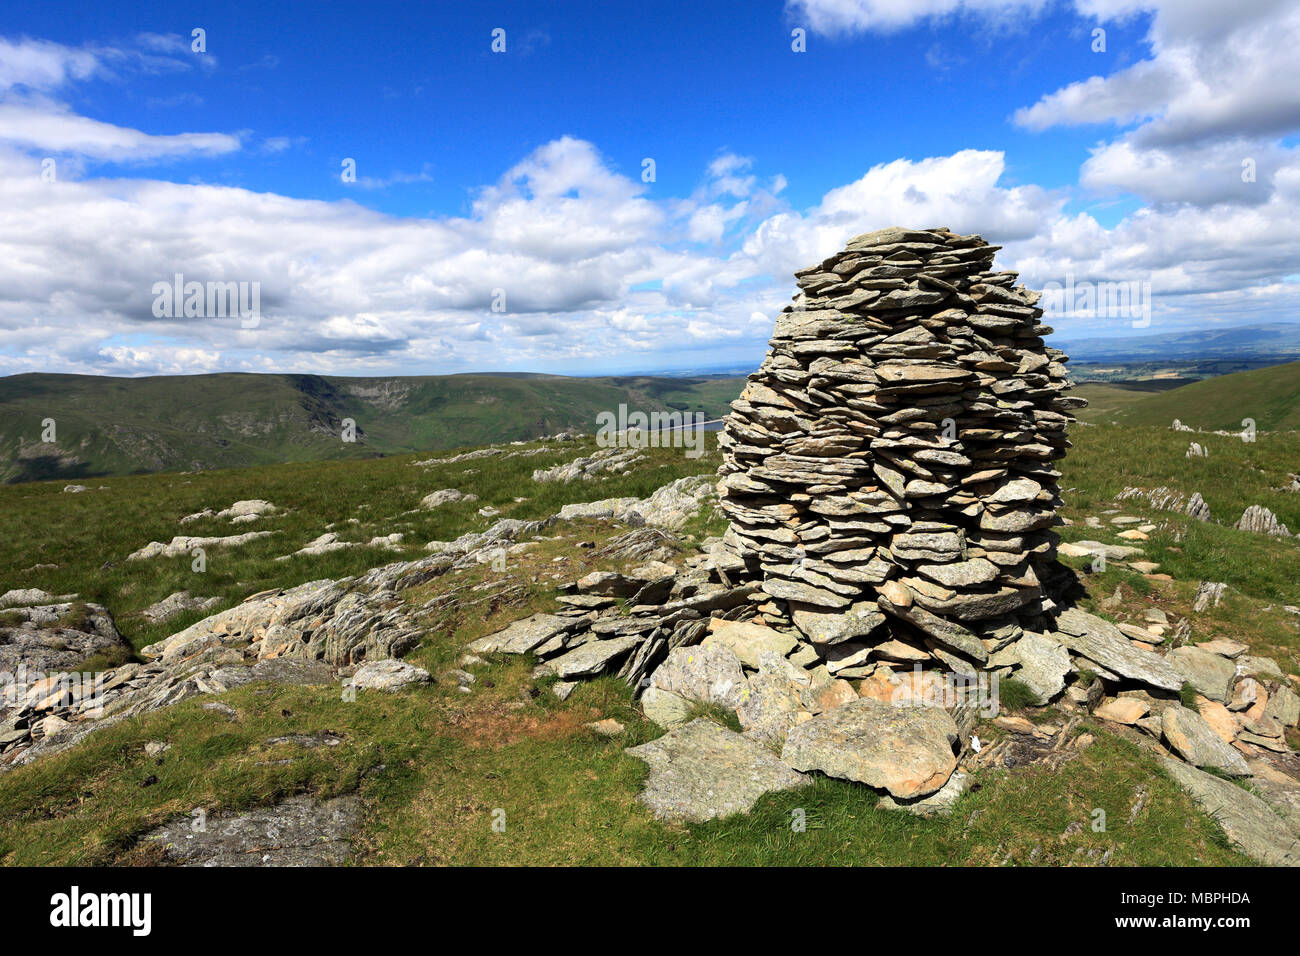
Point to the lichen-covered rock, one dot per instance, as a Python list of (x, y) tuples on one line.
[(905, 750), (1209, 673), (1196, 742), (702, 770), (706, 674), (774, 699), (388, 675), (48, 638)]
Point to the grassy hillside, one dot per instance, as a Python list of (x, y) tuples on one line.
[(1107, 398), (1271, 396), (430, 764), (115, 426)]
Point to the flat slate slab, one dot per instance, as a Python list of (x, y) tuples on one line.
[(1251, 826), (1043, 665), (1211, 675), (905, 750), (702, 770), (522, 636), (1196, 742), (301, 831), (589, 659), (1103, 643)]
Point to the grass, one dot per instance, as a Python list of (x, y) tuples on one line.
[(435, 769), (86, 537), (1270, 396), (432, 765), (1014, 695)]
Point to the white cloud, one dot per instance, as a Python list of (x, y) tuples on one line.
[(1231, 72), (29, 118), (50, 127), (40, 65), (596, 267), (837, 17)]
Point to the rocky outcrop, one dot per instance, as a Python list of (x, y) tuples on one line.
[(445, 496), (178, 603), (241, 512), (607, 461), (670, 507), (47, 638), (388, 675), (301, 831), (1167, 499), (1260, 520), (1248, 821), (185, 544)]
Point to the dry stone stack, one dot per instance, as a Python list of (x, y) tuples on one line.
[(888, 470)]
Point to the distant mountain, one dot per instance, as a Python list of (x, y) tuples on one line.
[(111, 426), (1278, 341)]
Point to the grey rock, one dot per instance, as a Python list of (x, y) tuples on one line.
[(591, 658), (702, 771), (1196, 742), (773, 700), (1042, 665), (1209, 673), (907, 751), (522, 636), (25, 596), (941, 803), (1260, 520), (706, 673), (388, 675), (665, 708), (1249, 823), (177, 603), (445, 496), (1104, 644), (853, 623), (301, 831), (749, 641)]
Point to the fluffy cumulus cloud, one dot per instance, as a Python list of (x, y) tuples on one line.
[(1198, 131), (564, 262)]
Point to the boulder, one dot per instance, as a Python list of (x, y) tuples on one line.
[(1249, 823), (1104, 644), (748, 641), (702, 770), (907, 751)]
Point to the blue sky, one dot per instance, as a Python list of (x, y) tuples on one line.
[(522, 170)]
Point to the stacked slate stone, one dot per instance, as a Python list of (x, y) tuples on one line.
[(888, 470)]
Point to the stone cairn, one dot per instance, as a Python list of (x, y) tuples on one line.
[(888, 470)]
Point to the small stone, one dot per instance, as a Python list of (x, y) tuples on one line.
[(1122, 710)]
